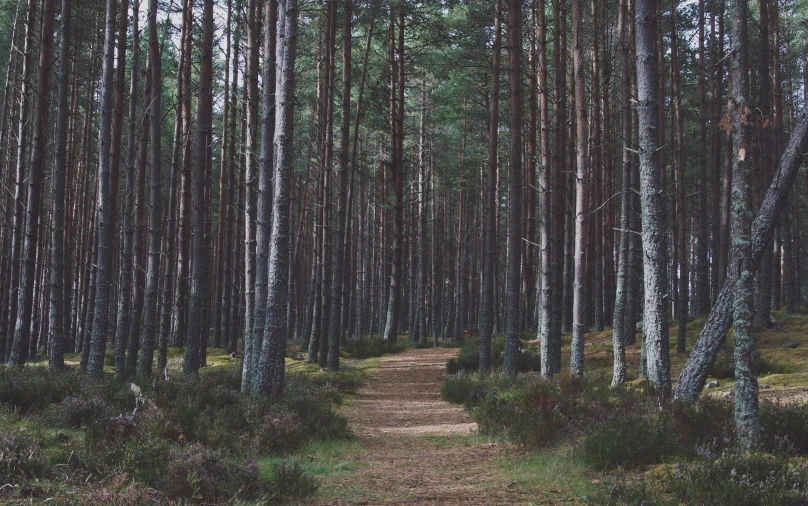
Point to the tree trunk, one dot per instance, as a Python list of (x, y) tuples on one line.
[(271, 370), (581, 194), (514, 188), (56, 340), (489, 255), (150, 313), (655, 314), (711, 339)]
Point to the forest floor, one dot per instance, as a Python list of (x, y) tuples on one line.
[(414, 448)]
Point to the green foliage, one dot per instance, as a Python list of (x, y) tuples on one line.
[(469, 389), (740, 479), (374, 347), (629, 441), (290, 481), (468, 359), (527, 413)]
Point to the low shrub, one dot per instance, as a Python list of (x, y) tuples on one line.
[(278, 433), (314, 408), (468, 358), (35, 387), (527, 413), (20, 458), (120, 490), (290, 481), (78, 412), (740, 478), (629, 441), (374, 347), (196, 472), (706, 422), (784, 424)]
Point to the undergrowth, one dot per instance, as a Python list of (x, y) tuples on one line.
[(185, 440)]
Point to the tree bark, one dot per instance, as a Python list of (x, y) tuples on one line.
[(655, 314), (512, 280)]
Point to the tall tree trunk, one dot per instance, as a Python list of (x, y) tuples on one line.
[(126, 276), (489, 233), (150, 313), (271, 370), (514, 188), (56, 340), (747, 416), (621, 306), (550, 347), (680, 268), (36, 176), (204, 139), (397, 110), (703, 265), (655, 314), (334, 325), (581, 194)]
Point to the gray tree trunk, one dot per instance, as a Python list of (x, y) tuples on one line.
[(271, 369), (655, 311), (581, 194), (711, 339)]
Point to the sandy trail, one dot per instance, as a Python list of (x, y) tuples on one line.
[(416, 449)]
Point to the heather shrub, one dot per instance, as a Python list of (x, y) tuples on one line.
[(469, 388), (468, 358), (373, 347), (195, 472), (82, 411), (35, 387), (708, 421), (290, 481), (526, 413), (314, 408), (20, 458), (784, 424), (278, 433), (120, 490), (627, 441), (737, 478)]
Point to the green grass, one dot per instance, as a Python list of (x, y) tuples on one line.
[(562, 474)]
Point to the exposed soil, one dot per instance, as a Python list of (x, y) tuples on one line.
[(417, 447)]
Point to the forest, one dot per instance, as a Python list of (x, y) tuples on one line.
[(404, 252)]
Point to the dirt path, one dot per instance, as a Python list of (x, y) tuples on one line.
[(418, 449)]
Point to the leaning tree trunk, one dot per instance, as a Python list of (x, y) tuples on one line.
[(655, 311), (711, 339)]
